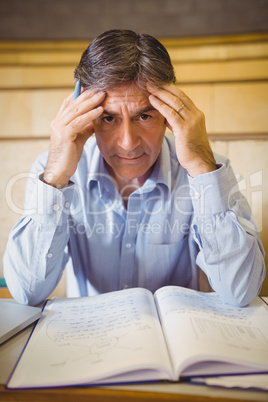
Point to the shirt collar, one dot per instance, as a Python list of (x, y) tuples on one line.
[(161, 173)]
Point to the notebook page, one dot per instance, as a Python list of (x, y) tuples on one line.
[(81, 340), (201, 327)]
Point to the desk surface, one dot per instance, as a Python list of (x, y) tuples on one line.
[(11, 349)]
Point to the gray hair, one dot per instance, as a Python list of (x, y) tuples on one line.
[(118, 57)]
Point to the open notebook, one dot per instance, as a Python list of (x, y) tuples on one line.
[(15, 317), (133, 335)]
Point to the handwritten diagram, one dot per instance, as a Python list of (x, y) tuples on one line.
[(91, 328)]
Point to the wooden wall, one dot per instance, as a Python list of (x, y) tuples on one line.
[(227, 77)]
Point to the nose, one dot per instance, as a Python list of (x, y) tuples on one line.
[(128, 138)]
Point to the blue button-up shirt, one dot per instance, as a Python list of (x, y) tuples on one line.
[(172, 225)]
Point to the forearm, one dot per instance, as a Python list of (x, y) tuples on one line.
[(234, 263), (31, 269), (35, 255), (231, 253)]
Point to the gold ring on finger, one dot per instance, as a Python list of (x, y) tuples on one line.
[(180, 108)]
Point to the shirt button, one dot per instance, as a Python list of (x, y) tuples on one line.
[(56, 207), (128, 245), (49, 255), (67, 204), (196, 196), (125, 287)]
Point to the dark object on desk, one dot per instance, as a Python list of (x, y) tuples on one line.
[(3, 283), (15, 317)]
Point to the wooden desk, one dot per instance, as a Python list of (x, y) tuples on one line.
[(11, 349), (112, 395)]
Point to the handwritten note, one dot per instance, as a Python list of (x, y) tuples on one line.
[(205, 325), (117, 337), (97, 325), (80, 340)]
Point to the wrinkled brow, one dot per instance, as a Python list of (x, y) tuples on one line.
[(135, 113)]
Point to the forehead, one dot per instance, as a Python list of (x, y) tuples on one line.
[(126, 95)]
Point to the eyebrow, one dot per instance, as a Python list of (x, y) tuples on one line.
[(136, 113)]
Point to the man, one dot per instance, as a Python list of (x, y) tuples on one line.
[(130, 206)]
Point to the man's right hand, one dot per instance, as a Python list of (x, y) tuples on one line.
[(69, 132)]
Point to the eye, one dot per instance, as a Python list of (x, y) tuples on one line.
[(145, 117), (108, 119)]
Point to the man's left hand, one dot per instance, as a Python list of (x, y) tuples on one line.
[(187, 123)]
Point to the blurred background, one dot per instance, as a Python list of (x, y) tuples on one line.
[(220, 52)]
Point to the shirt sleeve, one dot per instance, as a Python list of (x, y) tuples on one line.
[(230, 249), (36, 254)]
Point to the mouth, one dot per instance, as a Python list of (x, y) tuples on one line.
[(132, 159)]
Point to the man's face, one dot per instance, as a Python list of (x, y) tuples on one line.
[(129, 134)]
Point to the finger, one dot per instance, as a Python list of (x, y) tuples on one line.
[(69, 100), (169, 99), (182, 95), (84, 135), (173, 96), (81, 123), (85, 93), (78, 107), (172, 117), (65, 103)]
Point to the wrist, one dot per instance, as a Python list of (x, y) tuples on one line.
[(201, 168), (57, 181)]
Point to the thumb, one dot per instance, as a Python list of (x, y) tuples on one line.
[(84, 135)]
